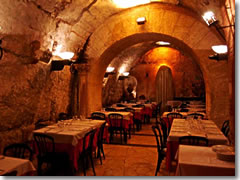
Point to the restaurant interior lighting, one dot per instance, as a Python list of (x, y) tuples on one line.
[(58, 65), (163, 43), (66, 55), (221, 52), (141, 20), (209, 18), (220, 49), (129, 3), (125, 73), (110, 70)]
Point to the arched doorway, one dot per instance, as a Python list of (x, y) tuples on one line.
[(164, 86)]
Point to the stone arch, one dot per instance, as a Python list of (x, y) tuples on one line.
[(180, 26)]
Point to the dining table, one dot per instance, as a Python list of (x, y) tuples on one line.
[(68, 135), (192, 127), (24, 167), (202, 161)]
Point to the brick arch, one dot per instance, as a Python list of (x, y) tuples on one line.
[(178, 25)]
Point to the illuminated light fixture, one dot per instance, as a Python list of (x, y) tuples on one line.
[(162, 43), (125, 73), (66, 55), (221, 53), (141, 20), (220, 49), (209, 18), (130, 3), (110, 70)]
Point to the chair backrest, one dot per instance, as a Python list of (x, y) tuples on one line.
[(225, 127), (88, 140), (18, 150), (159, 138), (115, 120), (130, 110), (193, 140), (164, 130), (196, 115), (45, 143), (101, 132), (98, 115), (174, 115), (183, 105), (110, 109), (63, 116)]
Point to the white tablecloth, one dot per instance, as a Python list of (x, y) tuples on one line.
[(9, 164), (72, 131), (202, 161)]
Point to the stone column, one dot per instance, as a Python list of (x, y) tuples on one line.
[(82, 93)]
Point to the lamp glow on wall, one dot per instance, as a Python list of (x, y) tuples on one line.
[(141, 20), (221, 52), (110, 70), (123, 76), (57, 65), (129, 3), (163, 43)]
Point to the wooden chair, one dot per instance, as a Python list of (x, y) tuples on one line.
[(98, 115), (100, 142), (161, 152), (170, 117), (193, 140), (196, 115), (136, 122), (225, 128), (88, 151), (116, 125), (18, 150), (120, 105), (58, 161)]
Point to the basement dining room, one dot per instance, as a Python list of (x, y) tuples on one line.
[(117, 88)]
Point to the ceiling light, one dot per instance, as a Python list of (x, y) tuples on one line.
[(129, 3), (162, 43), (141, 20), (209, 18), (220, 49)]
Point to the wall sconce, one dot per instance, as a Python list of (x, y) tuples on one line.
[(110, 70), (123, 76), (221, 52), (58, 65), (141, 20), (209, 18), (1, 50)]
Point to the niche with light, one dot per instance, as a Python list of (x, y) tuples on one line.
[(109, 71), (58, 65)]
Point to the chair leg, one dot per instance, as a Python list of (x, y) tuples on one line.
[(99, 154), (83, 164), (158, 165), (102, 151), (92, 163)]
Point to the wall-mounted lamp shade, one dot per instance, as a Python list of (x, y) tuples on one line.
[(220, 49), (110, 69), (125, 73), (209, 18), (141, 20), (162, 43), (129, 3), (66, 55)]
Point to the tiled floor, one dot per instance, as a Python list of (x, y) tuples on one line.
[(134, 159)]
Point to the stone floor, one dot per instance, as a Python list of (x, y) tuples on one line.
[(136, 158)]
